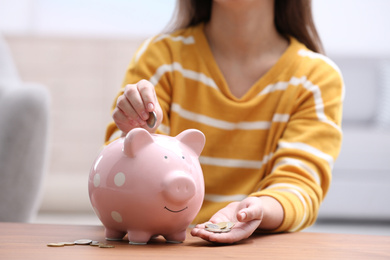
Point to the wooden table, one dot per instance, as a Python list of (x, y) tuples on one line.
[(29, 241)]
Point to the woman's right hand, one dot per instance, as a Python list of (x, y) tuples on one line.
[(134, 105)]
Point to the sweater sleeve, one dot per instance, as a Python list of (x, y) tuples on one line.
[(301, 166)]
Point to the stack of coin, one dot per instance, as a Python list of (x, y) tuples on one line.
[(221, 227), (60, 244), (81, 242)]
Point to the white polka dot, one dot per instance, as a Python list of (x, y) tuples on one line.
[(116, 216), (96, 180), (119, 179)]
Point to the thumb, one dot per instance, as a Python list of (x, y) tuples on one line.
[(251, 210)]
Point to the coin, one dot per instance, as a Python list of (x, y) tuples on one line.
[(102, 245), (151, 122), (221, 227), (231, 225), (227, 225), (212, 226), (83, 242), (214, 230), (94, 243), (68, 243), (56, 244)]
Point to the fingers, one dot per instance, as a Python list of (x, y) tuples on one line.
[(140, 100), (148, 94), (246, 214), (133, 107)]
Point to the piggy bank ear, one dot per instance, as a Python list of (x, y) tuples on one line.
[(135, 140), (193, 138)]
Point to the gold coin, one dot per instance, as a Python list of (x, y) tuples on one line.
[(222, 225), (101, 245), (56, 244), (68, 243), (151, 122)]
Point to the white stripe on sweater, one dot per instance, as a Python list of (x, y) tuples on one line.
[(190, 74), (309, 149), (222, 124), (299, 164), (314, 89), (145, 44), (143, 48), (235, 163), (313, 55), (185, 40), (297, 191)]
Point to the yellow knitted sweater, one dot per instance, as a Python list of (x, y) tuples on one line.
[(280, 139)]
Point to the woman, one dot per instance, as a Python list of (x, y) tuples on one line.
[(248, 75)]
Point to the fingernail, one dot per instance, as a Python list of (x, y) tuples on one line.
[(150, 107), (243, 215)]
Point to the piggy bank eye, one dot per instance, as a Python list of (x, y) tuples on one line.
[(165, 157), (183, 157)]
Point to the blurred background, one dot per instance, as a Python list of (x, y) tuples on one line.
[(74, 54)]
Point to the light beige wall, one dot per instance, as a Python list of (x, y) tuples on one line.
[(83, 77)]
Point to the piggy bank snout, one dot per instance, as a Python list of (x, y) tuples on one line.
[(178, 187)]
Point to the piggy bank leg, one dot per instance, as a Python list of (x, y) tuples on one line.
[(113, 235), (176, 238), (138, 237)]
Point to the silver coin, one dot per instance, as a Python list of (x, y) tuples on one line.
[(218, 230), (151, 122), (221, 227), (68, 243), (212, 226), (214, 230), (95, 243), (83, 242), (230, 225)]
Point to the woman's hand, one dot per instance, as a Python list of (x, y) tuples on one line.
[(247, 216), (133, 107)]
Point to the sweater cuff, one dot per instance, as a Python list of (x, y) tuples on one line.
[(292, 207)]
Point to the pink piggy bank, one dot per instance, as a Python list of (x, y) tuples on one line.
[(148, 184)]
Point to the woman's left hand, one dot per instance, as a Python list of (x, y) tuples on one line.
[(247, 216)]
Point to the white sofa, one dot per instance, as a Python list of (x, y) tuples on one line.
[(360, 188), (24, 117)]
